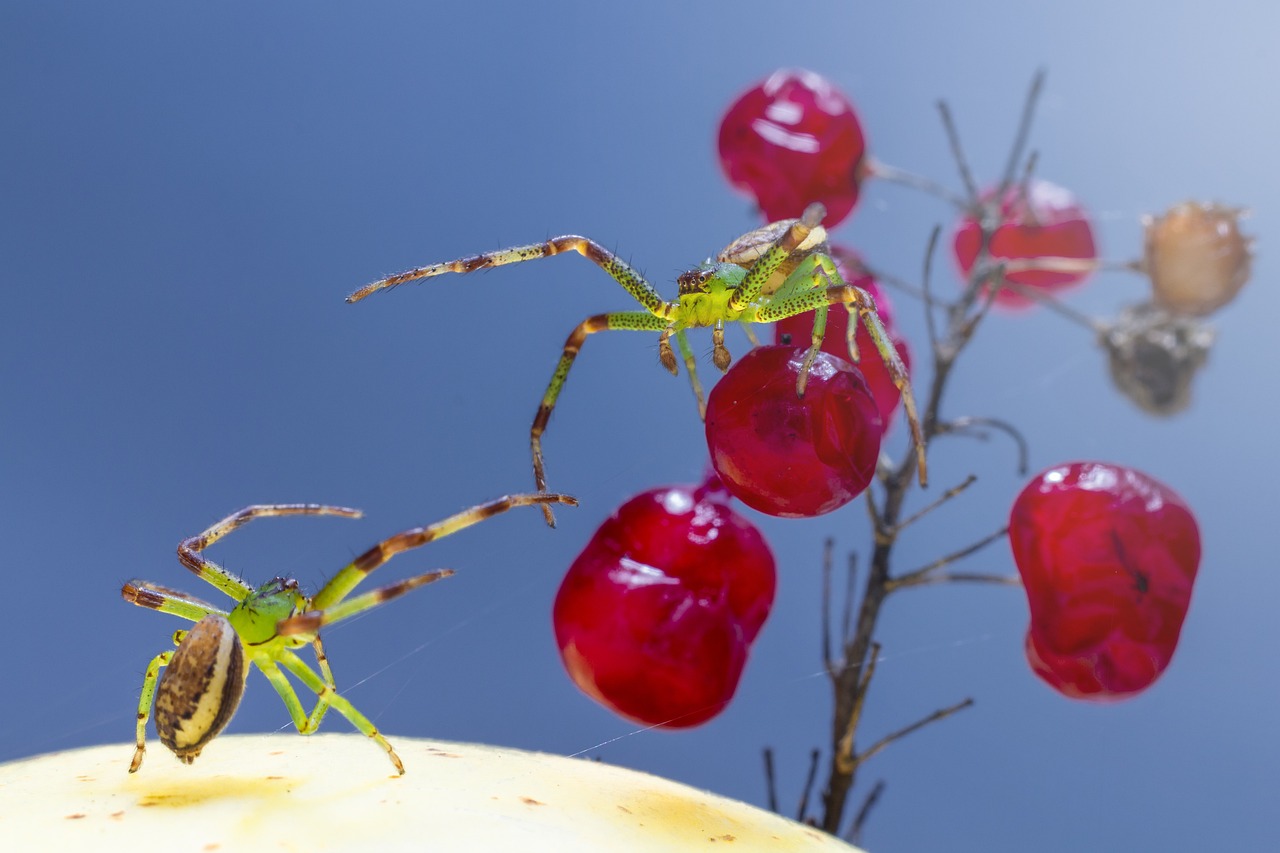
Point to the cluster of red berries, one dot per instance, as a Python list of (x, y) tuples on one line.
[(656, 616)]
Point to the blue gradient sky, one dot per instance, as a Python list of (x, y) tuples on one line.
[(188, 193)]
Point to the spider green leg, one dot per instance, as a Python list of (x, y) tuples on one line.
[(691, 368), (341, 584), (326, 672), (619, 270), (156, 597), (750, 333), (635, 321), (313, 620), (848, 294), (326, 695), (748, 291), (228, 582), (813, 272), (144, 704)]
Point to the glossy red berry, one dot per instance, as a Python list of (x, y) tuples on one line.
[(1044, 221), (656, 616), (798, 331), (787, 455), (793, 140), (1107, 556)]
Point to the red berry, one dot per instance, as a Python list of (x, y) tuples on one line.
[(791, 141), (787, 455), (798, 331), (655, 617), (1045, 221), (1108, 556)]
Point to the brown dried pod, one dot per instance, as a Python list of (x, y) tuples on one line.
[(1154, 355), (1196, 257)]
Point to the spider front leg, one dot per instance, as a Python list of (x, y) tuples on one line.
[(634, 321), (228, 582), (341, 584), (618, 269)]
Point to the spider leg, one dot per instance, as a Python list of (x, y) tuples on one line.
[(618, 269), (166, 600), (748, 291), (326, 672), (750, 333), (311, 621), (228, 582), (144, 706), (637, 321), (326, 695), (341, 584), (691, 368)]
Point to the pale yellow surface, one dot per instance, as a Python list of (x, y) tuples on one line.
[(338, 792)]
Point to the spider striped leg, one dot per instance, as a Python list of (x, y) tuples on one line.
[(748, 291), (341, 584), (848, 294), (633, 321), (156, 597), (232, 585), (313, 620), (619, 270), (325, 695), (144, 703)]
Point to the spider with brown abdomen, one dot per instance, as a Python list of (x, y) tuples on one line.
[(204, 676)]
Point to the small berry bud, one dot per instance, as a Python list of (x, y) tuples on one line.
[(1196, 257)]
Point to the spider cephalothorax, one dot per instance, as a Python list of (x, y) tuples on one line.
[(774, 272)]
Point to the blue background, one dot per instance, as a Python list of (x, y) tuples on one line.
[(188, 193)]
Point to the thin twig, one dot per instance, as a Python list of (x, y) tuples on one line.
[(953, 139), (1024, 130), (770, 781), (855, 831), (969, 577), (943, 498), (892, 174), (926, 291), (846, 619), (808, 784), (941, 714), (827, 660), (844, 758), (965, 424), (917, 576)]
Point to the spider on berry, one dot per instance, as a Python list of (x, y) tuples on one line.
[(774, 272), (204, 676)]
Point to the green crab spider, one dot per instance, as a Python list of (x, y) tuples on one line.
[(204, 676), (766, 275)]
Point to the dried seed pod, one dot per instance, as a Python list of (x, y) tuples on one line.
[(201, 687), (1154, 355), (1196, 257)]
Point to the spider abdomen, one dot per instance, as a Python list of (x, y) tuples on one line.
[(201, 687)]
